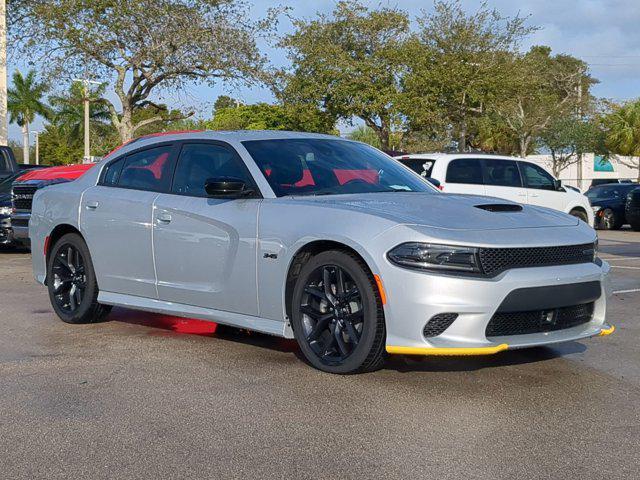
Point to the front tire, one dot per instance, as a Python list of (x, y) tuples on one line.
[(609, 220), (580, 214), (337, 314), (71, 281)]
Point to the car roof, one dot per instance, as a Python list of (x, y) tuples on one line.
[(231, 136), (452, 156)]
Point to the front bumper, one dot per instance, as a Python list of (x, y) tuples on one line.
[(415, 297)]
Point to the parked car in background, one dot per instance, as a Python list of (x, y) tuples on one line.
[(316, 238), (8, 165), (26, 186), (608, 202), (502, 177), (632, 209), (6, 234), (605, 181)]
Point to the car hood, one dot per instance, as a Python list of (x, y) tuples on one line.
[(446, 211)]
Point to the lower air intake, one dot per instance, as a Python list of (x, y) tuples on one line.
[(438, 324), (539, 321)]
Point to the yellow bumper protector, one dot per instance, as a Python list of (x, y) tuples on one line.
[(446, 351), (607, 331)]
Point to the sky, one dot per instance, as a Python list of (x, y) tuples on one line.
[(604, 33)]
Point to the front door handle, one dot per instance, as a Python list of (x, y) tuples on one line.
[(92, 205), (164, 218)]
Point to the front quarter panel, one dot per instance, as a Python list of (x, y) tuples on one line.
[(52, 206)]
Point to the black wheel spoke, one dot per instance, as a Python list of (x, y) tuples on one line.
[(351, 294), (354, 336), (69, 279), (316, 293), (337, 333), (326, 280), (339, 281)]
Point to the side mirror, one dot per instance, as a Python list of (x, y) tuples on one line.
[(558, 185), (434, 182), (226, 187)]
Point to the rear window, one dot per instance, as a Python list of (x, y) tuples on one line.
[(465, 170), (421, 166)]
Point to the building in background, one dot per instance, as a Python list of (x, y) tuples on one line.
[(593, 167)]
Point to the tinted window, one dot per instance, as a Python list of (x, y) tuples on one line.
[(7, 183), (465, 170), (199, 162), (5, 164), (111, 174), (502, 173), (537, 177), (309, 166), (147, 170), (419, 165)]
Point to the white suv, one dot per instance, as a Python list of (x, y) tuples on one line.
[(503, 177)]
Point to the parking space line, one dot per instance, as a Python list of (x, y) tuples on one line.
[(633, 290), (620, 258), (624, 266)]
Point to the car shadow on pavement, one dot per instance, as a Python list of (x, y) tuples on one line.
[(405, 363), (192, 326)]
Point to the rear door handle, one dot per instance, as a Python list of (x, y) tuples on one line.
[(164, 218), (92, 205)]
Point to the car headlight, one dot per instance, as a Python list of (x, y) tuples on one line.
[(429, 256), (5, 210)]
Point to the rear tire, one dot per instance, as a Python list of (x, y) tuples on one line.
[(636, 227), (71, 281), (337, 314)]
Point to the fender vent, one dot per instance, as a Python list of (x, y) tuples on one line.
[(500, 207)]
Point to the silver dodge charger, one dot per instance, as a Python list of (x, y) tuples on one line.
[(316, 238)]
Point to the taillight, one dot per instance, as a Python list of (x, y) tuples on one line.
[(440, 187)]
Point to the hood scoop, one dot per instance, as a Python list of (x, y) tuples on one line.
[(500, 207)]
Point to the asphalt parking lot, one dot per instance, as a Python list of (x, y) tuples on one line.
[(151, 396)]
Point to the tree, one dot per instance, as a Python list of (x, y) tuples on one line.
[(541, 89), (366, 135), (456, 67), (263, 116), (142, 46), (623, 133), (68, 109), (224, 101), (348, 63), (24, 102), (568, 138)]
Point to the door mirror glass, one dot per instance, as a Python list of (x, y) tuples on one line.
[(225, 187)]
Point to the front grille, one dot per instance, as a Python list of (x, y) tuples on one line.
[(538, 321), (23, 196), (496, 260), (438, 324)]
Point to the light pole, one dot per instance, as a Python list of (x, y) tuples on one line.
[(3, 73), (37, 135), (87, 146)]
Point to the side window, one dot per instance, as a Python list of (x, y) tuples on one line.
[(147, 170), (465, 170), (421, 166), (503, 173), (199, 162), (111, 174), (537, 177)]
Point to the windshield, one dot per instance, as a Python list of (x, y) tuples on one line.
[(309, 166), (608, 193)]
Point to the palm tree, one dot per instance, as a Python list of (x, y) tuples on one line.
[(24, 102), (68, 109), (623, 133)]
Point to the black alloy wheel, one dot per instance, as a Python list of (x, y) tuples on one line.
[(69, 278), (609, 220), (337, 314), (333, 314), (71, 281)]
